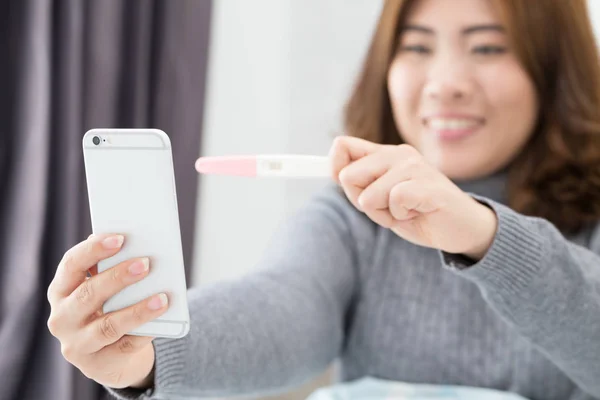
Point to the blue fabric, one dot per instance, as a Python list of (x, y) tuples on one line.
[(375, 389)]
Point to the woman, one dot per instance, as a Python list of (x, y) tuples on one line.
[(462, 248)]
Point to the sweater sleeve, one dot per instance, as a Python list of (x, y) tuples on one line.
[(270, 330), (546, 286)]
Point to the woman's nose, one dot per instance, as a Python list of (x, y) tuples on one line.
[(449, 83), (445, 92)]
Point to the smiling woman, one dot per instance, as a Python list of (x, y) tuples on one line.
[(417, 266), (498, 87)]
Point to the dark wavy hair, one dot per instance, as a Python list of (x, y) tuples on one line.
[(557, 175)]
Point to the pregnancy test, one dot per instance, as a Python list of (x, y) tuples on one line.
[(284, 165)]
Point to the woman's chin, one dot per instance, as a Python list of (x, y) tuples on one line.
[(462, 163), (460, 170)]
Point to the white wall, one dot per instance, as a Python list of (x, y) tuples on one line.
[(594, 10), (279, 73)]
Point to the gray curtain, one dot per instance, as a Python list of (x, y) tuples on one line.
[(71, 65)]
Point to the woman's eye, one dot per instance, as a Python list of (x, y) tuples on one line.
[(416, 49), (489, 50)]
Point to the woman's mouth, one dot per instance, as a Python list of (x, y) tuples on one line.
[(453, 128)]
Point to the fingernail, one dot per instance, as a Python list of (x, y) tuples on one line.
[(158, 302), (139, 266), (113, 242), (360, 203)]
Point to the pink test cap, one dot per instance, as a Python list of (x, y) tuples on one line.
[(227, 165)]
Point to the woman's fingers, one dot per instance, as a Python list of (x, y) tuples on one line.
[(413, 196), (76, 262), (127, 344), (405, 198), (346, 149), (376, 196), (383, 200), (382, 181), (91, 294), (110, 328)]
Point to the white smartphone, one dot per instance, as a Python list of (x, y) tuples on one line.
[(131, 189)]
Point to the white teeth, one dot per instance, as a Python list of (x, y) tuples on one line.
[(451, 124)]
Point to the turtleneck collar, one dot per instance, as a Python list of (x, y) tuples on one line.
[(492, 186)]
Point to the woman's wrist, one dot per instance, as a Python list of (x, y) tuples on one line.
[(487, 226), (148, 360), (146, 383)]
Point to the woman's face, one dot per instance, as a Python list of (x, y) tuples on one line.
[(458, 93)]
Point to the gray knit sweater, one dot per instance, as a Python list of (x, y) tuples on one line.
[(333, 285)]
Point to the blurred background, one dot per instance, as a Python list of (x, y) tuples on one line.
[(220, 77)]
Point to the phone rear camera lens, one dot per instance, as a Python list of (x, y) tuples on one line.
[(96, 140)]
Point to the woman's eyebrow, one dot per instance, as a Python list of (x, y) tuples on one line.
[(466, 31), (417, 28), (483, 27)]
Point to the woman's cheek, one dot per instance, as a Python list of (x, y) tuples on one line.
[(404, 88)]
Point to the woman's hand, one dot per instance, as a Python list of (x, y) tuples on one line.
[(94, 342), (396, 188)]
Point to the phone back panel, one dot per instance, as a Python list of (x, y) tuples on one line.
[(131, 189)]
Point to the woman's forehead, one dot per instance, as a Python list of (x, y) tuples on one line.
[(456, 13)]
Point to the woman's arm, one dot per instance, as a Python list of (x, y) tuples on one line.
[(547, 287), (273, 329)]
